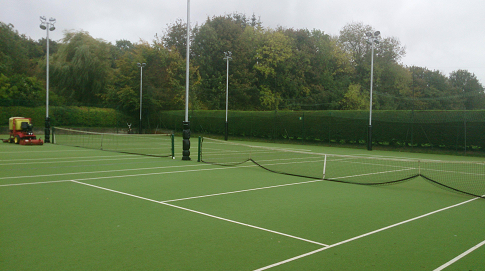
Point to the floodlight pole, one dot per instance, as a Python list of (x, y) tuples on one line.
[(186, 123), (373, 38), (48, 26), (141, 65), (228, 57)]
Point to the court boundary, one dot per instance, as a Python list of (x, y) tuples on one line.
[(363, 235), (459, 257), (166, 203)]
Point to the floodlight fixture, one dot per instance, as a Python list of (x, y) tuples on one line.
[(228, 55), (47, 26)]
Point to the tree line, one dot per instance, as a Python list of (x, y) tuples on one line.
[(271, 69)]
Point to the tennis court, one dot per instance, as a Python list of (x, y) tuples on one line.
[(70, 208)]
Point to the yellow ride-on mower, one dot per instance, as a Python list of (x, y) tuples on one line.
[(21, 132)]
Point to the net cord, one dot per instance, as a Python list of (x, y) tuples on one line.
[(451, 188), (55, 129), (419, 174)]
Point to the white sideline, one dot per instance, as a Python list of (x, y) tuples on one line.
[(59, 158), (201, 213), (457, 258), (77, 161), (44, 151), (361, 236), (92, 172), (118, 176)]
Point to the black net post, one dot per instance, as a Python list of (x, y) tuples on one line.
[(226, 133), (369, 138), (172, 138), (47, 130), (186, 141), (199, 153), (53, 135)]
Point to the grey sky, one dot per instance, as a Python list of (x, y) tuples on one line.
[(444, 35)]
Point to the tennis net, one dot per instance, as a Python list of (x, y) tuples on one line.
[(160, 145), (463, 177)]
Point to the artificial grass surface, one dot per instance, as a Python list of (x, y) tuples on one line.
[(65, 225), (73, 227)]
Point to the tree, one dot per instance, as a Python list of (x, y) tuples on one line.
[(18, 53), (391, 79), (468, 86), (354, 99), (271, 57), (81, 69), (432, 90), (175, 37), (218, 35), (22, 90), (352, 39), (330, 72), (163, 80)]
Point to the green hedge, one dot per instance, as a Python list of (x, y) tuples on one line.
[(66, 116), (440, 129)]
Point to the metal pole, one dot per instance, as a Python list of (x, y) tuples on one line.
[(47, 76), (227, 87), (228, 57), (47, 119), (186, 123), (369, 136), (141, 95), (187, 66)]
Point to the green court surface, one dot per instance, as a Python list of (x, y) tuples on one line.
[(69, 208)]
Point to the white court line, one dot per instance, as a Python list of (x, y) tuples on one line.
[(20, 184), (361, 236), (64, 158), (273, 265), (77, 161), (205, 214), (459, 257), (240, 191), (94, 172), (37, 151), (131, 175), (119, 176)]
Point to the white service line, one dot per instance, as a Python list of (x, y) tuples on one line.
[(459, 257), (363, 235), (240, 191), (201, 213)]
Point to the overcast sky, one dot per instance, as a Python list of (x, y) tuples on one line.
[(444, 35)]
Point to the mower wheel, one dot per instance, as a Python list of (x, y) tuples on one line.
[(16, 140)]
